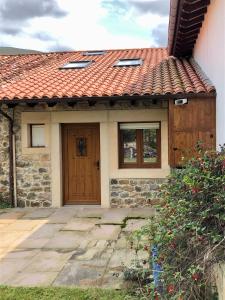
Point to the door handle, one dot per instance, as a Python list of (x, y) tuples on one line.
[(175, 149), (98, 164)]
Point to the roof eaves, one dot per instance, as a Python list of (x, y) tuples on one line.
[(186, 18)]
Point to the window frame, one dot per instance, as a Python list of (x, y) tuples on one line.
[(141, 61), (140, 164), (94, 53), (86, 62), (31, 134)]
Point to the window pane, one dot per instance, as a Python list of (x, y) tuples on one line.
[(37, 136), (129, 62), (77, 64), (150, 145), (129, 146)]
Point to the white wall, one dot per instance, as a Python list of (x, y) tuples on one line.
[(209, 52)]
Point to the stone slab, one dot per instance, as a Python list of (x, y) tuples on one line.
[(145, 212), (46, 231), (10, 267), (33, 279), (133, 224), (113, 217), (62, 216), (11, 239), (92, 212), (80, 224), (80, 274), (33, 243), (21, 253), (39, 213), (41, 263), (24, 225), (11, 216), (65, 240), (106, 232)]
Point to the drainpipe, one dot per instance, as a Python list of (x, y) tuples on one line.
[(11, 158)]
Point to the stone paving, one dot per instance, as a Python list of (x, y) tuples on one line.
[(69, 246)]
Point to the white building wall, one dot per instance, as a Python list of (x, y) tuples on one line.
[(209, 52)]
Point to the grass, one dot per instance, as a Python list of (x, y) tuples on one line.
[(58, 293)]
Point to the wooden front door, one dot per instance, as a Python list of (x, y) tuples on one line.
[(81, 163)]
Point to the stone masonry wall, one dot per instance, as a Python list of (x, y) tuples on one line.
[(134, 192), (33, 173), (4, 160)]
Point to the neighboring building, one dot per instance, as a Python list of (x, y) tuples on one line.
[(198, 28), (99, 127)]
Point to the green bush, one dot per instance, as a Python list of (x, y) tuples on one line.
[(3, 204), (189, 229)]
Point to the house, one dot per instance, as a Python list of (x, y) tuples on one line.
[(197, 28), (98, 127)]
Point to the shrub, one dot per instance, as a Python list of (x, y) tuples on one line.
[(4, 204), (189, 229)]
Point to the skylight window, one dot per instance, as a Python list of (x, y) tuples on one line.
[(89, 53), (125, 62), (77, 64)]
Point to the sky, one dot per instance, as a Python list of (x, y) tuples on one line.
[(57, 25)]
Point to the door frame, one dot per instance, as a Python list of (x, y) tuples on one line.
[(63, 151)]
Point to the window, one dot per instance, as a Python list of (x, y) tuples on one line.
[(77, 64), (139, 145), (37, 135), (126, 62), (89, 53)]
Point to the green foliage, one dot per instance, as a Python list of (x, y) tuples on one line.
[(3, 204), (188, 229), (50, 293)]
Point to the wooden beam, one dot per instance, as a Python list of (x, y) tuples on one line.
[(190, 7), (71, 103), (194, 14), (91, 103), (190, 21), (31, 104), (133, 102), (11, 105), (51, 104), (112, 103)]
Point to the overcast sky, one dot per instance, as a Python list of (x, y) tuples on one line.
[(52, 25)]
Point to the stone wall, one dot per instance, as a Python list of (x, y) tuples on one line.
[(4, 160), (33, 172), (134, 192)]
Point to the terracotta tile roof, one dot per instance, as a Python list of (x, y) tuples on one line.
[(37, 76)]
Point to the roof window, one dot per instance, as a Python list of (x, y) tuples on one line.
[(125, 62), (77, 64), (89, 53)]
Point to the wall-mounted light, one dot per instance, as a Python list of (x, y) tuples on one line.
[(181, 101)]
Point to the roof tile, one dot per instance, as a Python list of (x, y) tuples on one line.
[(34, 76)]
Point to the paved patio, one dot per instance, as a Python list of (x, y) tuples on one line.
[(69, 246)]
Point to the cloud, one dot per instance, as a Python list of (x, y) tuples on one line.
[(60, 25), (9, 29), (22, 10), (160, 35), (43, 36), (59, 47), (160, 7), (15, 15)]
